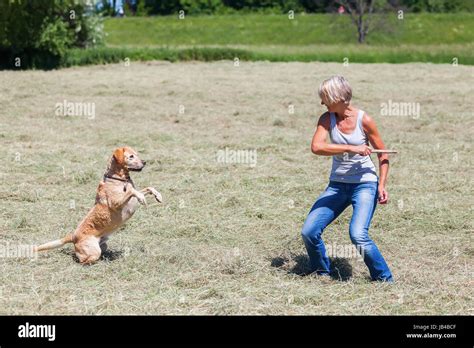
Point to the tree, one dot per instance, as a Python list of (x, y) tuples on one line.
[(361, 12), (39, 33)]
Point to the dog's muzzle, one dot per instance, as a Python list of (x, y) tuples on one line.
[(137, 169)]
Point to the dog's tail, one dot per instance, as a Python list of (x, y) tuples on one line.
[(69, 238)]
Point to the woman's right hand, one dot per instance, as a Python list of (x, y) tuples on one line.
[(362, 150)]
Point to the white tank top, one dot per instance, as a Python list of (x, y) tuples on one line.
[(350, 167)]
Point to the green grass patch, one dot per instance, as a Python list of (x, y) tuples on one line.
[(435, 38), (254, 29), (328, 53)]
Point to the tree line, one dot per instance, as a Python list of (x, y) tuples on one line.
[(193, 7)]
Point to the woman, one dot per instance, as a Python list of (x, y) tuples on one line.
[(353, 180)]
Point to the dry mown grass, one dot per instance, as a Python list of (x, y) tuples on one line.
[(227, 239)]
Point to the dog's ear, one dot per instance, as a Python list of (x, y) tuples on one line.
[(119, 155)]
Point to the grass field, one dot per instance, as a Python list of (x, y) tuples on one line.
[(227, 238)]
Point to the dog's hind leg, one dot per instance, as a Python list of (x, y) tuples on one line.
[(103, 244), (88, 250)]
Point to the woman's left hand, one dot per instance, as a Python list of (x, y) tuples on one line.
[(383, 195)]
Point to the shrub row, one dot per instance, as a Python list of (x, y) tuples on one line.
[(106, 55)]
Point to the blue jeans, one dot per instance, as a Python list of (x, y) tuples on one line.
[(332, 202)]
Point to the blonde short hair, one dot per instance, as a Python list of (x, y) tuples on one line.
[(335, 89)]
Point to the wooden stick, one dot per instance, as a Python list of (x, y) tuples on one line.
[(384, 151)]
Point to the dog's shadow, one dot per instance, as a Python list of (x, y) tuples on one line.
[(111, 255), (298, 264), (108, 255)]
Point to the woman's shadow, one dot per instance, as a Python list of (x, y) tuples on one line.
[(298, 264)]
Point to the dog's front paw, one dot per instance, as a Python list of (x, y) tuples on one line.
[(158, 197), (155, 193), (141, 198)]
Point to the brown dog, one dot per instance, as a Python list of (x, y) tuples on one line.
[(116, 201)]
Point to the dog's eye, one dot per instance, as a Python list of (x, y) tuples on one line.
[(131, 156)]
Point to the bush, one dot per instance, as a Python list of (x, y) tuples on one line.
[(194, 7), (37, 34), (54, 37), (106, 55), (201, 6), (207, 7), (380, 54), (162, 7), (439, 5), (277, 6)]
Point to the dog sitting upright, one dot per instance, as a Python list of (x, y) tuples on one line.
[(116, 201)]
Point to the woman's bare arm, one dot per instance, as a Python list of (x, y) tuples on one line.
[(376, 141)]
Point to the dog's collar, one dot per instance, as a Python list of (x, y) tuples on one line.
[(126, 181), (114, 178)]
